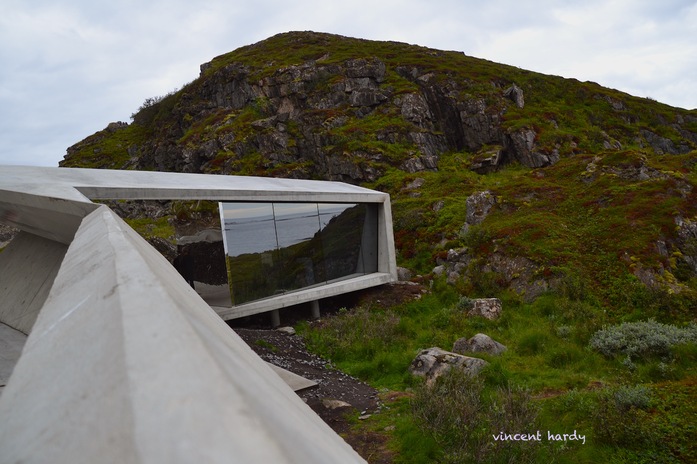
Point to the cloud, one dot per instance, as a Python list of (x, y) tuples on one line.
[(71, 67)]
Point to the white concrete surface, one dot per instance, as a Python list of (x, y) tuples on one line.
[(72, 189)]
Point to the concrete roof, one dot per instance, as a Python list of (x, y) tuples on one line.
[(95, 184), (23, 189)]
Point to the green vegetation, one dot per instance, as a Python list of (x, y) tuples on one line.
[(107, 149), (642, 339), (465, 420), (150, 228)]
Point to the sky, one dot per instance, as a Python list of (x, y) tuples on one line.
[(70, 67)]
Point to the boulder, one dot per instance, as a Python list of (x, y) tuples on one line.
[(434, 362), (515, 93), (403, 274), (480, 343), (488, 308)]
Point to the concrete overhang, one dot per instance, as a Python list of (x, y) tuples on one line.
[(50, 202)]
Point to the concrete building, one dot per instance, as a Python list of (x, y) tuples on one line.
[(125, 362)]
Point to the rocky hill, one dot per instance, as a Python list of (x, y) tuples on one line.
[(502, 179)]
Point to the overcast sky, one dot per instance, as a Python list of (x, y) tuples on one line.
[(68, 68)]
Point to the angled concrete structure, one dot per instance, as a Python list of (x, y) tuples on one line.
[(123, 361)]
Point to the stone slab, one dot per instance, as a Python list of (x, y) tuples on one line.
[(294, 381)]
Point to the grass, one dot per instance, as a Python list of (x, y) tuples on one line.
[(149, 228), (548, 356)]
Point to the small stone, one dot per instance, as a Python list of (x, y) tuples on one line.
[(334, 404), (286, 330), (364, 416)]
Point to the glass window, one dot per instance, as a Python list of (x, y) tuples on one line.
[(274, 248)]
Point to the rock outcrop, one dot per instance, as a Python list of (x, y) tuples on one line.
[(291, 120), (434, 362), (488, 308)]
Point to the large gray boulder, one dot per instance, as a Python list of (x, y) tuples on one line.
[(433, 362), (480, 343), (515, 93)]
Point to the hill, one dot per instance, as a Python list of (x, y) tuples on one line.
[(583, 184), (572, 203)]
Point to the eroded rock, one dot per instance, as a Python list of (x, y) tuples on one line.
[(479, 205), (488, 308)]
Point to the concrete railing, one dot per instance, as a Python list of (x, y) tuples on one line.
[(125, 363)]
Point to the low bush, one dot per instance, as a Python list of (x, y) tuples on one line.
[(641, 339)]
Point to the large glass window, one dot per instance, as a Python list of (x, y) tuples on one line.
[(274, 248)]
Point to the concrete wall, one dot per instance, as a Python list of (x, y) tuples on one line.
[(28, 266)]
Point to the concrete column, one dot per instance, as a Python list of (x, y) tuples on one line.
[(275, 318), (315, 309)]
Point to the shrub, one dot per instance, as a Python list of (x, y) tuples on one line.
[(465, 303), (641, 339), (463, 417), (563, 331)]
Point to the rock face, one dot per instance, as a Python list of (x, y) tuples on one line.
[(290, 122), (515, 93), (479, 205), (434, 362), (480, 343), (687, 242)]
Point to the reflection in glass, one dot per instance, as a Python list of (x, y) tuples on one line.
[(250, 243), (300, 252), (274, 248)]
